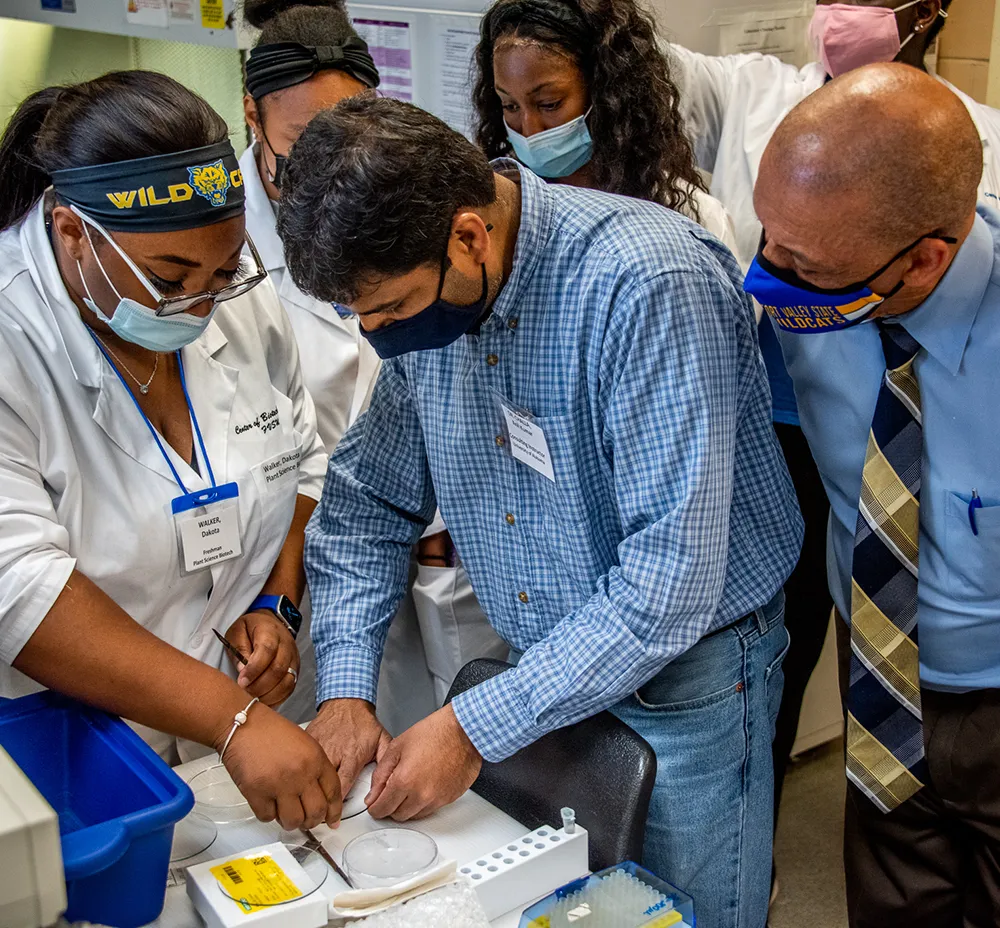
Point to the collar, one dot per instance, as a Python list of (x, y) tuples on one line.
[(60, 314), (943, 321), (532, 234), (260, 215), (973, 107)]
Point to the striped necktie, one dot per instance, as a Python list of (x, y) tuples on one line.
[(885, 741)]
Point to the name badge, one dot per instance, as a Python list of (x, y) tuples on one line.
[(527, 442), (208, 526)]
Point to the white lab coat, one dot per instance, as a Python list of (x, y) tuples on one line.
[(733, 104), (83, 485), (714, 217)]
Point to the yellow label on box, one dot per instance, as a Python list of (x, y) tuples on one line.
[(213, 14), (255, 882), (664, 921)]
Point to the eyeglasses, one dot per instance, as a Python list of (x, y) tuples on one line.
[(249, 273)]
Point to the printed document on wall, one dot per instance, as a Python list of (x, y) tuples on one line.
[(147, 13), (390, 45), (779, 29), (455, 38)]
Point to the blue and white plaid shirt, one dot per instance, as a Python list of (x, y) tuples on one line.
[(624, 331)]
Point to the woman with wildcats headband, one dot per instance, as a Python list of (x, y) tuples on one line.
[(158, 451)]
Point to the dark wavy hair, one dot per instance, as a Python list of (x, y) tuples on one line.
[(640, 148)]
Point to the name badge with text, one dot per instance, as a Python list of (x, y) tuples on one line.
[(208, 526), (527, 442)]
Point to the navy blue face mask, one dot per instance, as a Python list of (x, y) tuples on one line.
[(437, 326)]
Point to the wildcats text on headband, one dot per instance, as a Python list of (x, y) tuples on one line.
[(210, 181)]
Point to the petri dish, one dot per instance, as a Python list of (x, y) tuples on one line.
[(193, 834), (388, 856), (354, 802), (276, 887), (218, 798)]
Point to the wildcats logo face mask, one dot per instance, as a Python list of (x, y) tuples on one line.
[(800, 307)]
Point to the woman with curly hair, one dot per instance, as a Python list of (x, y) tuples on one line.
[(578, 91)]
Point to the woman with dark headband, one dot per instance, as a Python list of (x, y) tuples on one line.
[(578, 92), (306, 58), (158, 451)]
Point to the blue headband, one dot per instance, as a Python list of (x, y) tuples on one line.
[(162, 193)]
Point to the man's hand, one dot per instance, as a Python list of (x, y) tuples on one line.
[(263, 638), (428, 766), (351, 735)]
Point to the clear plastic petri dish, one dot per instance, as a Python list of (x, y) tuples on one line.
[(354, 802), (388, 856), (193, 834), (273, 885), (218, 798)]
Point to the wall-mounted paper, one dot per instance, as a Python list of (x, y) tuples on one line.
[(455, 39), (182, 11), (147, 13), (390, 47), (780, 29)]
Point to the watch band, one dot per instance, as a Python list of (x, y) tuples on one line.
[(283, 608)]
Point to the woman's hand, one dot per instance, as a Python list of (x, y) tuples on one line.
[(271, 651), (283, 773)]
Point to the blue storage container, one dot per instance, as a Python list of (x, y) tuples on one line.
[(117, 803)]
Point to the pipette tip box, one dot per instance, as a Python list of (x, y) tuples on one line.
[(624, 896)]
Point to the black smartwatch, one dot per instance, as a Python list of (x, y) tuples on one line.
[(283, 608)]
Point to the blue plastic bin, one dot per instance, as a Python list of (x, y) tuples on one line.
[(117, 804)]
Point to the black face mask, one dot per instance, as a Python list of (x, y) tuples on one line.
[(279, 160), (437, 326)]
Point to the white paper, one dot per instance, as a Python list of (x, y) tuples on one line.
[(389, 45), (779, 29), (455, 40), (182, 11), (147, 13), (528, 444)]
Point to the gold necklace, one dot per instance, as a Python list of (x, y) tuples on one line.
[(143, 387)]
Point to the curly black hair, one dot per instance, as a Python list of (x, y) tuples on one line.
[(640, 148)]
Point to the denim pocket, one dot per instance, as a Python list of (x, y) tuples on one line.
[(709, 673)]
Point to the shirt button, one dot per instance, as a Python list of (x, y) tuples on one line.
[(197, 641), (510, 518), (492, 360), (522, 596), (512, 323), (501, 441)]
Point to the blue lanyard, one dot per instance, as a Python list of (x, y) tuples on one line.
[(149, 425)]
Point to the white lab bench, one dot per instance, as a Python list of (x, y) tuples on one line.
[(465, 830)]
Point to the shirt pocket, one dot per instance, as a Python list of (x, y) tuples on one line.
[(276, 486), (564, 500), (973, 561)]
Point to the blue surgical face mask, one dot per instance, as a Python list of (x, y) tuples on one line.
[(556, 152), (134, 322), (437, 326), (800, 307)]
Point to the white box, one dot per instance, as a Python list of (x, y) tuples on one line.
[(219, 911)]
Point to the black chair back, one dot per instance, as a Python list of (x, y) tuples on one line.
[(599, 767)]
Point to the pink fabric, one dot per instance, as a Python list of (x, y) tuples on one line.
[(849, 37)]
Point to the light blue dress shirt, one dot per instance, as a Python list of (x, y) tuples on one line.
[(624, 331), (837, 377)]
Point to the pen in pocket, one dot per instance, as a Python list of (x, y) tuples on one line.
[(974, 504)]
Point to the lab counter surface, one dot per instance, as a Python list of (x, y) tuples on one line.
[(467, 829)]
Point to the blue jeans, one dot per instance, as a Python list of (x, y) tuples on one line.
[(710, 717)]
